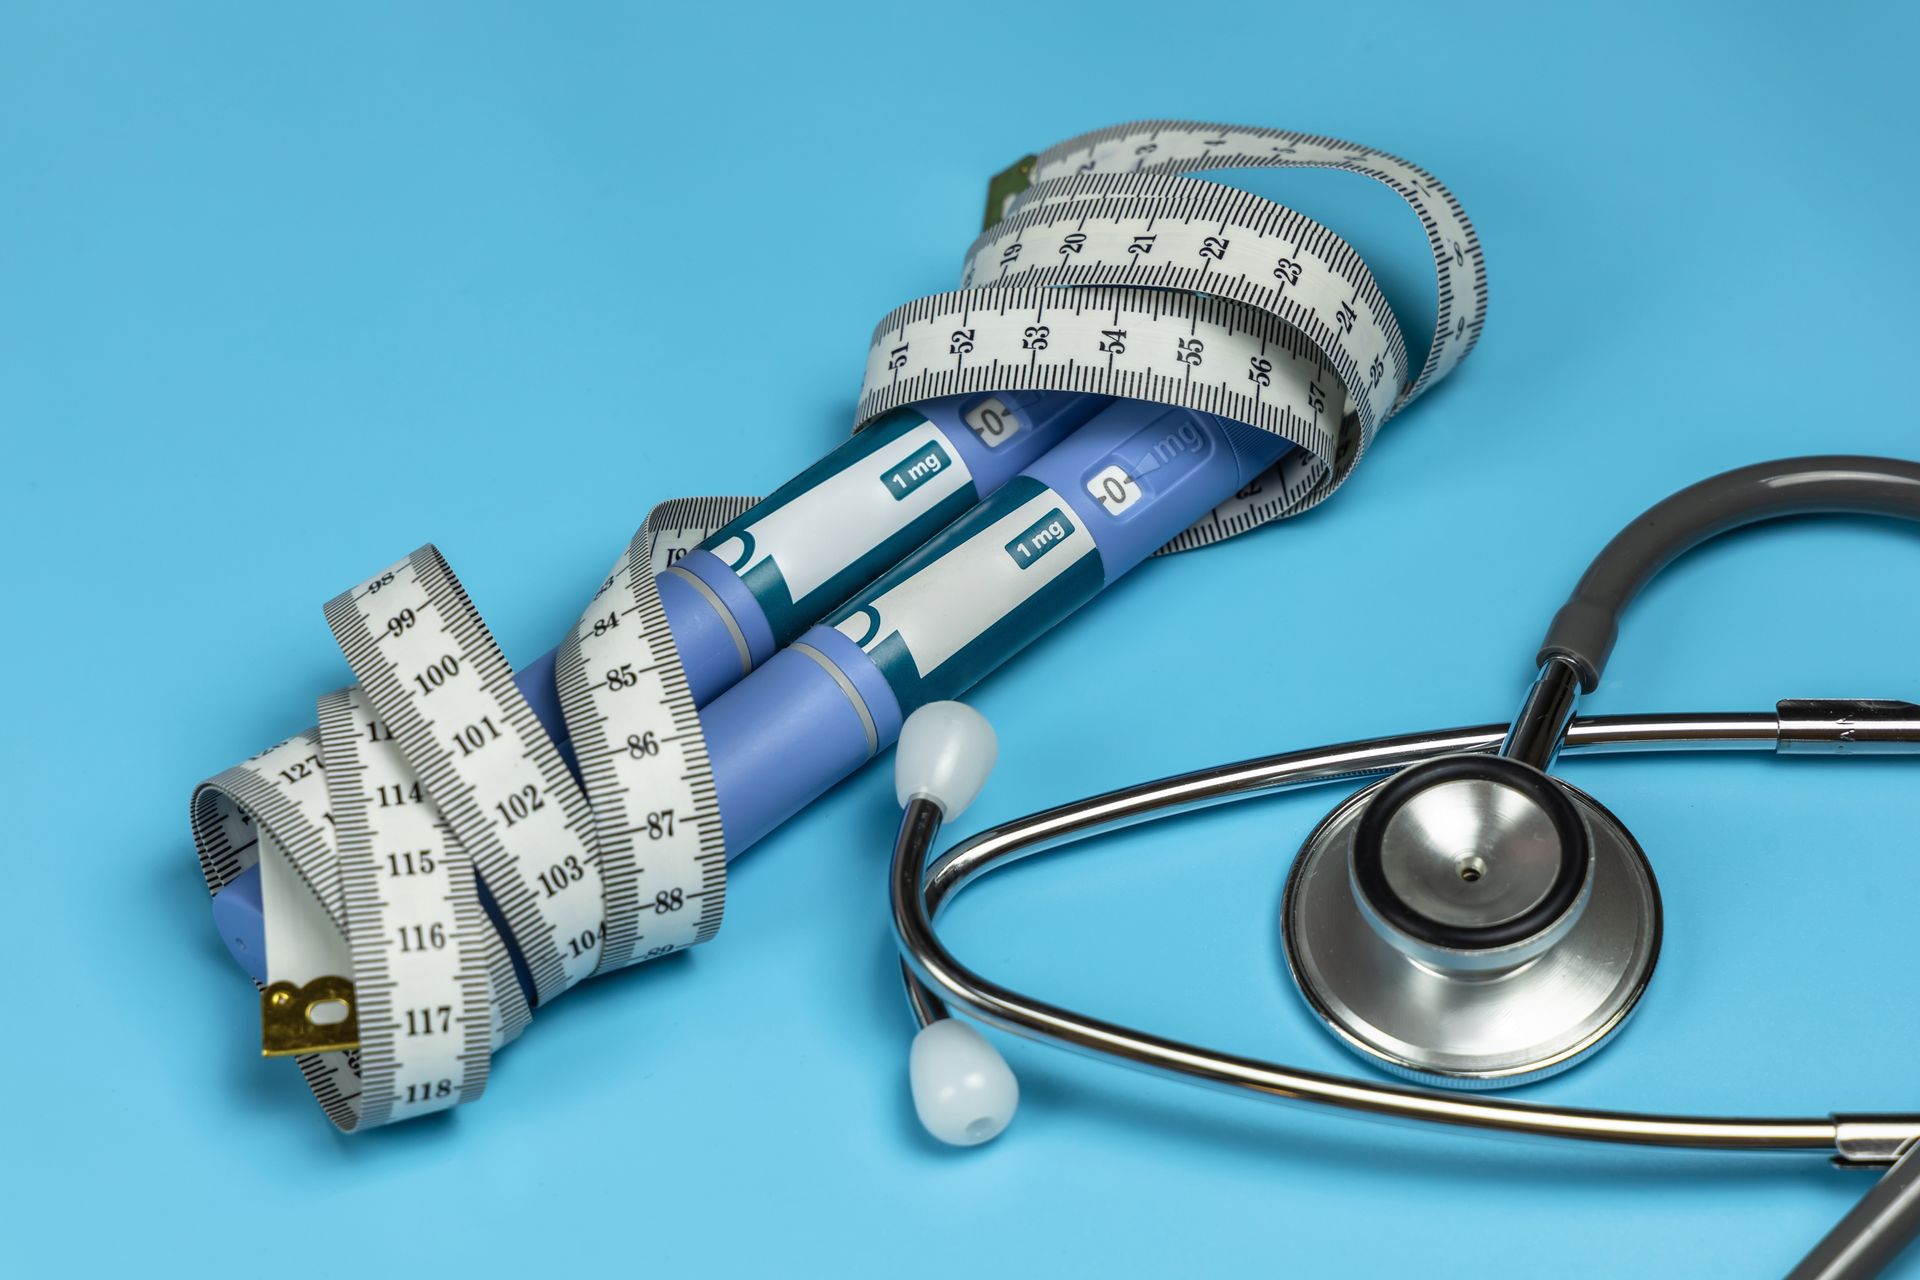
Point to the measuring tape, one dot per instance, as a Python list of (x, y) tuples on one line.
[(1068, 290), (432, 869)]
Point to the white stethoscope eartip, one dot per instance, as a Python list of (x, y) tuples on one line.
[(963, 1090), (946, 751)]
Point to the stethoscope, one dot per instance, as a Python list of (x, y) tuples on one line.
[(1467, 921)]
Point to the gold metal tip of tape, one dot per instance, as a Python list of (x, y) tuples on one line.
[(310, 1019), (1005, 185)]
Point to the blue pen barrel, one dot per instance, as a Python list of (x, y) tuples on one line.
[(1075, 520), (757, 583)]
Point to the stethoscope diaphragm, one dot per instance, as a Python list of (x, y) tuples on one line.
[(1468, 939)]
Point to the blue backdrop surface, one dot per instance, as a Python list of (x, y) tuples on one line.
[(285, 292)]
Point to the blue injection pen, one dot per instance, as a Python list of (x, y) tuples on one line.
[(1082, 515), (1076, 519)]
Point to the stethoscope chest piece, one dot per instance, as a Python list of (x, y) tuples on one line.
[(1471, 922)]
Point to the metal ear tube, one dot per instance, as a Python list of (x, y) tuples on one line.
[(1469, 920)]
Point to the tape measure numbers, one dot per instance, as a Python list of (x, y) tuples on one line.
[(636, 737), (425, 1016)]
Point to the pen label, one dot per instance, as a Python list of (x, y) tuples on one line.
[(915, 470), (1042, 536)]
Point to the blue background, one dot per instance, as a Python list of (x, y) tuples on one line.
[(286, 292)]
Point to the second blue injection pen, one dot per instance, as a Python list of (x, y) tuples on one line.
[(1082, 515)]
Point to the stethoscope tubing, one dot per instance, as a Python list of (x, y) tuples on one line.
[(935, 979)]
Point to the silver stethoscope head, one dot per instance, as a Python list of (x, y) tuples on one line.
[(1471, 922), (1468, 920)]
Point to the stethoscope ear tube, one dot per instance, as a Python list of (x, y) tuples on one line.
[(1584, 630), (1875, 1230)]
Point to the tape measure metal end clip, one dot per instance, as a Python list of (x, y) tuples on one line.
[(1005, 185), (314, 1018)]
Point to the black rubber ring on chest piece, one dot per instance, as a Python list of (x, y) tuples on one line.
[(1369, 869)]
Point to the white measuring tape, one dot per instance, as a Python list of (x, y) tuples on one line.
[(1089, 280), (427, 857)]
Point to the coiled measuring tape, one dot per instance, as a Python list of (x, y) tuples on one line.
[(1101, 269), (432, 869)]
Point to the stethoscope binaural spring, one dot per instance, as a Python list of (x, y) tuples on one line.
[(1469, 920)]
